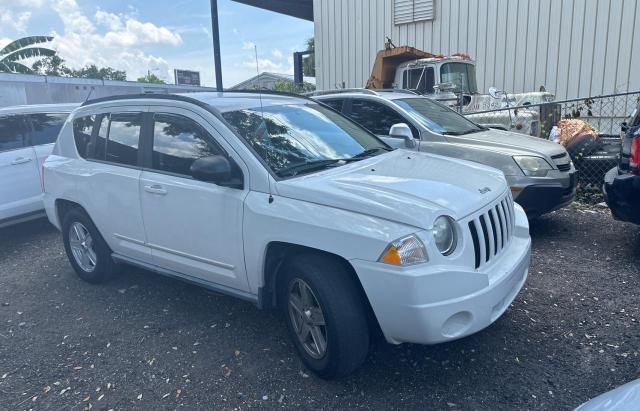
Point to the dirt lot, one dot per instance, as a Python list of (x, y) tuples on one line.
[(147, 342)]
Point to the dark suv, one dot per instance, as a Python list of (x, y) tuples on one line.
[(622, 183)]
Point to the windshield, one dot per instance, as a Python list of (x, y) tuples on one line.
[(303, 137), (437, 117), (462, 75)]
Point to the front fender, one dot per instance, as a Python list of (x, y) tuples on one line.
[(341, 232)]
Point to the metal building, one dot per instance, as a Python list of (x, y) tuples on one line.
[(575, 48)]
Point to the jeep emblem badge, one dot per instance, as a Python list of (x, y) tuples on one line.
[(484, 190)]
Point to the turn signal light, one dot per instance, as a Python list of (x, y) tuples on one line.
[(391, 256)]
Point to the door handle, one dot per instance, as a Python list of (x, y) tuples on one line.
[(20, 160), (155, 189)]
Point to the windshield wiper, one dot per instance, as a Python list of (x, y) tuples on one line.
[(461, 133), (369, 152), (298, 168)]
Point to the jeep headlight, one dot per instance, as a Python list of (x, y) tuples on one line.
[(444, 235), (533, 166), (407, 250)]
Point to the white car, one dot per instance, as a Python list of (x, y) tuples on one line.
[(27, 134), (283, 202)]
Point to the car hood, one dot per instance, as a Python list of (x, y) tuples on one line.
[(402, 186), (510, 143)]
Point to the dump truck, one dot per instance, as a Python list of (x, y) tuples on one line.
[(452, 80)]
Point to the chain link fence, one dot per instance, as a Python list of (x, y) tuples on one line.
[(594, 152)]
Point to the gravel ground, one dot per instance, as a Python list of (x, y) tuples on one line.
[(144, 341)]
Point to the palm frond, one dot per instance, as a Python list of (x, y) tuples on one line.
[(28, 53), (14, 67), (24, 42)]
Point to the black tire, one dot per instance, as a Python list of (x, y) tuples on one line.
[(582, 146), (104, 267), (344, 311)]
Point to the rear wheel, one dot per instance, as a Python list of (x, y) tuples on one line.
[(87, 251), (325, 314)]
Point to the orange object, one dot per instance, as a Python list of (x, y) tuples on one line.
[(387, 60), (391, 256)]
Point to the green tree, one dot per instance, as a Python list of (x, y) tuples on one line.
[(309, 62), (14, 52), (150, 78), (102, 73), (291, 87), (51, 66), (56, 66)]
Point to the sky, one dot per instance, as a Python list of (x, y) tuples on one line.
[(159, 35)]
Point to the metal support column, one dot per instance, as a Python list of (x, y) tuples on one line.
[(215, 31)]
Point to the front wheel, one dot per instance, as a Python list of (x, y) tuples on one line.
[(325, 314)]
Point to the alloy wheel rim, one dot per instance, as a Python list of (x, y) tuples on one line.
[(81, 244), (307, 318)]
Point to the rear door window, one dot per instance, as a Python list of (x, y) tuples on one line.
[(335, 104), (13, 133), (45, 127), (177, 142), (123, 138)]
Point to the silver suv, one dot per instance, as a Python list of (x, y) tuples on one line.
[(540, 173)]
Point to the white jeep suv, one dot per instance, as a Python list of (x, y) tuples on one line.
[(285, 203)]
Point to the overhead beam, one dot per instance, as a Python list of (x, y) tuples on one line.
[(302, 9)]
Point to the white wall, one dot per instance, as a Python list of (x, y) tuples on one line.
[(575, 48)]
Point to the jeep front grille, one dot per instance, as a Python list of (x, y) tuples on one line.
[(492, 230)]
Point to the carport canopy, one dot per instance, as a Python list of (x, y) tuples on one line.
[(302, 9)]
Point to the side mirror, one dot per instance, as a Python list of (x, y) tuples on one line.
[(494, 92), (401, 130), (215, 169), (624, 127)]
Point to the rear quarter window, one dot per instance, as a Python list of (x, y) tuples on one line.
[(82, 129), (45, 127)]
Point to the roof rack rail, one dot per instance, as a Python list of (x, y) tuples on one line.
[(163, 96), (396, 90), (342, 90), (185, 96)]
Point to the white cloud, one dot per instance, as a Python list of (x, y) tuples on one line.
[(248, 45), (22, 3), (264, 65), (276, 53), (109, 39), (109, 20), (4, 41), (136, 33), (16, 21)]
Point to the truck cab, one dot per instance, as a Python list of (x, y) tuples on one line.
[(451, 80)]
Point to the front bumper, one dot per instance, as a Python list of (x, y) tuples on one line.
[(431, 304), (542, 195), (622, 195)]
